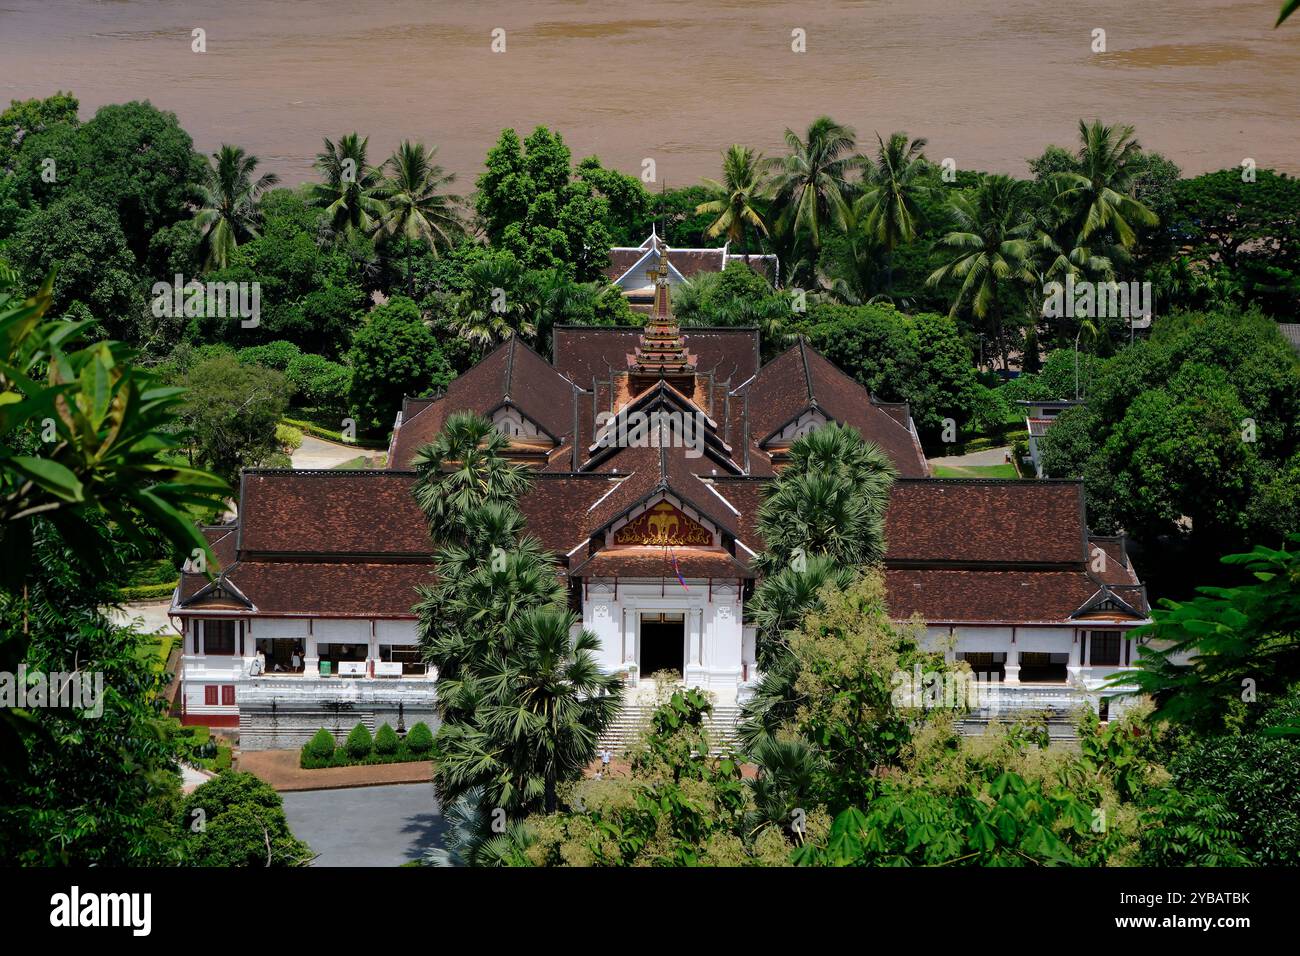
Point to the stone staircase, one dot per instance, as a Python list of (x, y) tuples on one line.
[(634, 719)]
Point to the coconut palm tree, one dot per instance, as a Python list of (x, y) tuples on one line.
[(993, 252), (812, 185), (740, 197), (416, 208), (1099, 193), (228, 199), (888, 211), (351, 191)]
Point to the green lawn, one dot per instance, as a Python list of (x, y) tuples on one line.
[(975, 471)]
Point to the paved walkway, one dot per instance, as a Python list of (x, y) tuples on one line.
[(280, 769), (317, 453), (153, 613), (989, 456), (375, 826)]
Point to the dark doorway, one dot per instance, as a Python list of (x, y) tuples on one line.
[(663, 641), (1038, 668)]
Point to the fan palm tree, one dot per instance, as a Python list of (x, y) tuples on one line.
[(829, 499), (228, 199), (740, 197), (416, 208), (812, 184), (992, 251), (888, 211), (783, 598), (463, 468), (351, 191), (499, 302), (546, 706)]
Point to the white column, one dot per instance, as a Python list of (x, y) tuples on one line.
[(1013, 666), (311, 660)]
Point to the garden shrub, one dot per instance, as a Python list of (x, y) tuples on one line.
[(321, 745), (359, 743), (386, 741), (277, 355), (420, 739)]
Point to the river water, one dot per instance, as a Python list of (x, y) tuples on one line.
[(988, 82)]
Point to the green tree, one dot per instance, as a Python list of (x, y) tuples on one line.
[(95, 269), (232, 410), (228, 203), (24, 118), (139, 162), (811, 186), (533, 206), (235, 819), (992, 254), (889, 205), (394, 354)]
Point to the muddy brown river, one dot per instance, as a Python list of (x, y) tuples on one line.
[(988, 82)]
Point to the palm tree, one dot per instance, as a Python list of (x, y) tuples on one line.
[(888, 210), (416, 207), (351, 192), (228, 203), (992, 251), (783, 598), (1099, 193), (547, 704), (464, 468), (811, 186), (740, 196), (500, 302)]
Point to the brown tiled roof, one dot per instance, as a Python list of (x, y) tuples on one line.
[(342, 589), (800, 378), (330, 513), (649, 562), (512, 373), (584, 353), (942, 596), (997, 522)]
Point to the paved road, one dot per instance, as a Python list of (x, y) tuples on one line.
[(315, 453), (366, 826), (989, 456), (151, 616)]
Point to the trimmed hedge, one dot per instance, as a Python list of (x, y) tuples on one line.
[(146, 592), (420, 739), (386, 741), (321, 746), (329, 435), (359, 743), (320, 752)]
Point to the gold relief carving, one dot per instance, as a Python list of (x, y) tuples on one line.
[(663, 525)]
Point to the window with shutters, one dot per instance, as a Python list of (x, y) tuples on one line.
[(1105, 648)]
